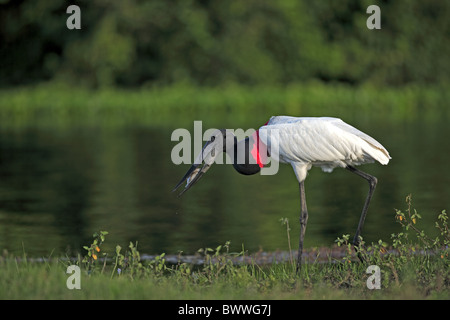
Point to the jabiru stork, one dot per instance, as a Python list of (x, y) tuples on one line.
[(302, 142)]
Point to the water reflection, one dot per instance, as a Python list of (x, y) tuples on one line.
[(58, 186)]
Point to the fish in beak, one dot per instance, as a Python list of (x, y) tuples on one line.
[(203, 161)]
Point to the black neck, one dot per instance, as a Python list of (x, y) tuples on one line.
[(246, 167)]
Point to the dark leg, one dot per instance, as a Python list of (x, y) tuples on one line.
[(372, 184), (303, 221)]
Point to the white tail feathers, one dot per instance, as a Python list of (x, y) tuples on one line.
[(379, 154)]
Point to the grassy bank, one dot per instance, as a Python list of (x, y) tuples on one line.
[(406, 271), (20, 280), (60, 104)]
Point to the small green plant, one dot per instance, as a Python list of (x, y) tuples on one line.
[(285, 221), (409, 221), (158, 265), (129, 263), (216, 262), (93, 251), (119, 261), (344, 242)]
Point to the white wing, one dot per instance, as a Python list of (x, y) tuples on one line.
[(324, 142)]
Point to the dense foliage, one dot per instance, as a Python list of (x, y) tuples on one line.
[(135, 43)]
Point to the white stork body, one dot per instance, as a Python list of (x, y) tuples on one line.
[(325, 142)]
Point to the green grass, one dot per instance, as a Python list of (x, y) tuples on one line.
[(408, 270), (61, 104), (20, 280)]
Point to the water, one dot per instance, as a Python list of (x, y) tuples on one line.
[(60, 185)]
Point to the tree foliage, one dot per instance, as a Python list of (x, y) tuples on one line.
[(137, 42)]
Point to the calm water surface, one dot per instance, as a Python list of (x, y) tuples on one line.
[(58, 186)]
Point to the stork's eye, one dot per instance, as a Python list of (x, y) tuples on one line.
[(213, 138)]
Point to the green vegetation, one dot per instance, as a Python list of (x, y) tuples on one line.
[(180, 105), (137, 43), (408, 270)]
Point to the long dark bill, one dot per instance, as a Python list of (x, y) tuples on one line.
[(195, 174), (196, 171)]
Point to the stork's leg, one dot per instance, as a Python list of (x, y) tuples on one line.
[(372, 184), (303, 221)]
